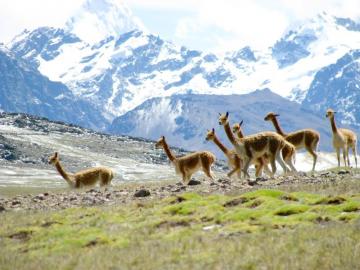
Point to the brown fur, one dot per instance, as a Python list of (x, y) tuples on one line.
[(189, 164), (234, 161), (342, 139), (255, 146), (88, 177), (261, 162), (305, 138), (288, 153)]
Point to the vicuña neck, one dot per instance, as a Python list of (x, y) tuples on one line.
[(229, 133), (240, 134), (333, 125), (62, 172), (168, 152), (220, 145), (277, 127)]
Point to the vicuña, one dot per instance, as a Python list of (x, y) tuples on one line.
[(255, 146), (234, 161), (342, 139), (187, 165), (304, 138), (83, 178), (288, 153)]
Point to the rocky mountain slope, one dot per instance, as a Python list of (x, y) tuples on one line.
[(337, 86), (24, 89), (26, 142), (184, 119)]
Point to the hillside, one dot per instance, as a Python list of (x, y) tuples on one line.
[(184, 119)]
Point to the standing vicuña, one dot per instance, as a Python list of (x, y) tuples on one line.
[(342, 139), (260, 162), (234, 161), (288, 152), (255, 146), (304, 138), (83, 178), (190, 163)]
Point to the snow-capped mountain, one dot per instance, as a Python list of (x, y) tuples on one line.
[(118, 71), (24, 89), (184, 119), (337, 86), (97, 20), (151, 86)]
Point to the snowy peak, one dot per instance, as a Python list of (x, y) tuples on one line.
[(44, 41), (96, 20), (348, 24)]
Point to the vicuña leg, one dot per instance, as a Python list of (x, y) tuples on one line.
[(105, 179), (311, 148), (338, 155), (344, 156), (273, 166), (347, 155), (314, 155), (259, 167), (233, 171), (246, 167), (281, 162), (354, 153), (267, 170), (291, 165), (238, 172), (206, 167)]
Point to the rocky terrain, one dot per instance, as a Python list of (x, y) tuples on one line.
[(27, 181), (139, 192), (27, 142)]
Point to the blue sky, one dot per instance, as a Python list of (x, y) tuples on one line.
[(205, 25)]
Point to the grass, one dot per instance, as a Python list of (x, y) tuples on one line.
[(260, 229)]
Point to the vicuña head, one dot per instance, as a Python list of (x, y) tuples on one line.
[(271, 116), (330, 113), (160, 143), (223, 118), (237, 127), (187, 165), (210, 136), (83, 178), (54, 158)]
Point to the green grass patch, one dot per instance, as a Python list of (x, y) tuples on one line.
[(175, 227)]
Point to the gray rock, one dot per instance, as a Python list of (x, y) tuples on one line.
[(194, 182), (142, 193), (342, 172), (15, 202)]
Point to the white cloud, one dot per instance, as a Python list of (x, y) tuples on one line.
[(237, 24), (258, 23), (211, 24), (16, 15)]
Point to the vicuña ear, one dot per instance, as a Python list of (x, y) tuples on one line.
[(241, 123), (227, 114), (213, 130), (219, 114), (277, 115), (163, 137), (56, 154)]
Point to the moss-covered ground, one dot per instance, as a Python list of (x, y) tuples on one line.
[(268, 229)]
